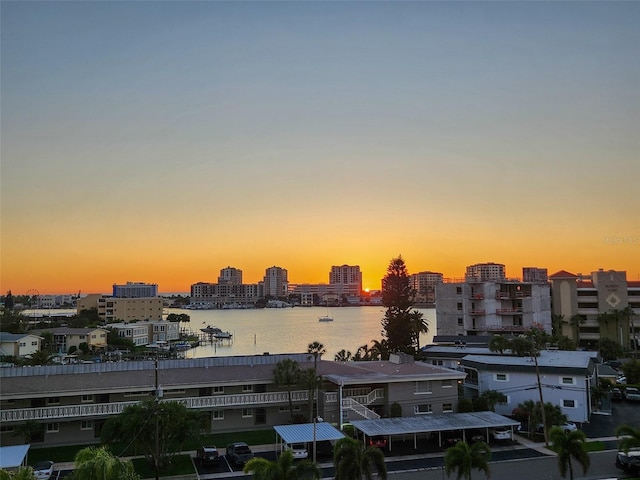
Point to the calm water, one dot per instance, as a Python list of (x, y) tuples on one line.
[(291, 330)]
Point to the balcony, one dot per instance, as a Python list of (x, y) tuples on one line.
[(477, 312), (115, 408), (510, 295), (509, 311), (508, 328), (357, 395), (477, 296)]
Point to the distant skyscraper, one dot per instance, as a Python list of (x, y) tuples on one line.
[(276, 283), (483, 272), (230, 276), (534, 275), (348, 278), (135, 290), (424, 283)]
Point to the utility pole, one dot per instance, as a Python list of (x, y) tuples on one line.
[(158, 394), (544, 414)]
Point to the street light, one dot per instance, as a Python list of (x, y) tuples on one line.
[(315, 420)]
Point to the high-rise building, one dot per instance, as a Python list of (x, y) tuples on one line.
[(230, 276), (603, 304), (135, 290), (534, 275), (275, 282), (348, 277), (485, 272), (424, 283)]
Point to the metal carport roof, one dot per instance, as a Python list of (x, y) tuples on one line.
[(13, 456), (303, 432), (432, 423)]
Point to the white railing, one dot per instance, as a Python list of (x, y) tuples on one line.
[(366, 413), (115, 408), (365, 398)]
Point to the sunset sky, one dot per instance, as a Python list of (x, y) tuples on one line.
[(162, 141)]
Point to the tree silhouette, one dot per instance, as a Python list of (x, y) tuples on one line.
[(284, 468), (355, 461), (462, 458), (287, 374), (100, 464), (568, 445)]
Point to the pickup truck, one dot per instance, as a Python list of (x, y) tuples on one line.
[(239, 453)]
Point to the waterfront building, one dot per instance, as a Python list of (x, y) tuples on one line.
[(230, 276), (348, 278), (488, 303), (217, 295), (66, 337), (19, 344), (135, 290), (582, 300), (146, 333), (424, 283), (113, 309), (72, 402), (275, 283)]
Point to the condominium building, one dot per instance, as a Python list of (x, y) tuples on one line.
[(424, 283), (348, 277), (146, 333), (581, 301), (112, 309), (230, 276), (489, 303), (135, 290), (276, 283), (72, 402)]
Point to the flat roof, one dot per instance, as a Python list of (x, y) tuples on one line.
[(303, 432), (546, 359), (432, 423)]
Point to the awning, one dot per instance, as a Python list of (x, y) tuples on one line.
[(304, 432), (13, 456)]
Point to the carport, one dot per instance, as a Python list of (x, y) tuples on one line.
[(13, 456), (306, 433), (432, 423)]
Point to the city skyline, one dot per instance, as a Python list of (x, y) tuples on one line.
[(162, 141)]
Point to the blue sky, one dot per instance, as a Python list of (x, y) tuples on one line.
[(309, 134)]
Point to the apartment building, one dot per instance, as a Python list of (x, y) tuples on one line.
[(276, 282), (582, 299), (65, 337), (348, 277), (72, 402), (135, 290), (148, 333), (488, 303), (113, 309), (19, 344), (424, 283)]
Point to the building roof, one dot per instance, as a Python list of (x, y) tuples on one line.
[(13, 456), (562, 274), (432, 423), (547, 360), (304, 432), (457, 351), (67, 330), (14, 337)]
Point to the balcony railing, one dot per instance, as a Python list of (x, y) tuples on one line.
[(368, 399), (509, 311), (477, 312), (366, 413), (115, 408)]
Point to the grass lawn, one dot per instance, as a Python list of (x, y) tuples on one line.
[(596, 446), (180, 465)]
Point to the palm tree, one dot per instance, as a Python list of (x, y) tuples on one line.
[(462, 458), (556, 324), (419, 325), (577, 320), (287, 374), (379, 349), (630, 437), (569, 444), (354, 461), (317, 350), (342, 356), (493, 397), (100, 464), (284, 468)]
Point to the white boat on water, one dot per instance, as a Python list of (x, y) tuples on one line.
[(216, 332), (325, 318)]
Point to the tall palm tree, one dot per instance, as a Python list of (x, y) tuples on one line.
[(284, 468), (419, 325), (569, 444), (100, 464), (342, 356), (287, 374), (311, 382), (577, 320), (462, 458), (557, 321), (317, 350), (354, 461), (630, 437)]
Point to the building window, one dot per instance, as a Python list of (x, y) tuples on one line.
[(447, 383), (567, 380), (247, 413), (34, 343), (502, 377), (460, 322), (53, 427), (282, 409), (569, 403), (423, 387), (458, 290), (437, 362), (218, 414), (86, 425), (53, 401), (459, 306), (423, 409), (86, 399), (218, 389), (447, 407), (6, 428), (247, 388)]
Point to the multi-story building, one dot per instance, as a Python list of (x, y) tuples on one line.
[(230, 276), (72, 402), (19, 344), (534, 275), (65, 337), (424, 283), (217, 295), (483, 272), (581, 301), (348, 277), (275, 282), (489, 303), (112, 309), (135, 290), (146, 333), (566, 379)]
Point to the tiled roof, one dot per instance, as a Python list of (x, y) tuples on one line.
[(563, 274)]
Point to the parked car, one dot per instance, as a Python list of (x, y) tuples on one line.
[(239, 453), (208, 456), (567, 427), (621, 379), (632, 394), (299, 450), (453, 437), (378, 441), (43, 470), (475, 436), (616, 394), (629, 462), (500, 433), (324, 448)]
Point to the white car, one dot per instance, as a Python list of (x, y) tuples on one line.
[(500, 433), (632, 393), (568, 426), (299, 450), (43, 470)]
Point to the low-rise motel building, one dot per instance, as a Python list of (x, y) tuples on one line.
[(72, 402)]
